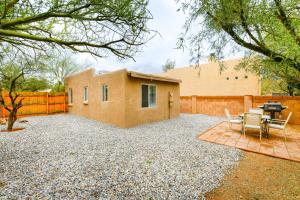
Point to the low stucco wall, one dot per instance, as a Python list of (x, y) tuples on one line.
[(214, 105), (123, 107)]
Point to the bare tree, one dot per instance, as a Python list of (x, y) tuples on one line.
[(170, 64), (59, 66), (15, 67)]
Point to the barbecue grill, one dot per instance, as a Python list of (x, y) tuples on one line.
[(272, 108)]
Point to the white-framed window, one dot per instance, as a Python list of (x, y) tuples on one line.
[(85, 94), (104, 92), (148, 95), (70, 94)]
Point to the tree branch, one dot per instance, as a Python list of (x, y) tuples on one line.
[(12, 88), (245, 25), (69, 44), (7, 7), (2, 102), (286, 22), (94, 27), (265, 51)]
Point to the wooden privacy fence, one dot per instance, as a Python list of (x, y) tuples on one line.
[(38, 103), (214, 105)]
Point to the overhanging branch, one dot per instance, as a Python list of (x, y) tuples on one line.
[(70, 44), (286, 22), (260, 49)]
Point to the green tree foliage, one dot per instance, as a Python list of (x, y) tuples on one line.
[(170, 64), (24, 83), (97, 27), (35, 84), (58, 88), (273, 85), (284, 78), (268, 28), (269, 86)]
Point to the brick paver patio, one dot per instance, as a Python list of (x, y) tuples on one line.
[(275, 145)]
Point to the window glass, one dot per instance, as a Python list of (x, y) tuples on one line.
[(70, 96), (104, 93), (145, 102), (152, 96), (148, 96), (86, 93)]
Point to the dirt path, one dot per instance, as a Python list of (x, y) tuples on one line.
[(260, 177)]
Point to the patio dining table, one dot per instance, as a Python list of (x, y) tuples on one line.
[(265, 119)]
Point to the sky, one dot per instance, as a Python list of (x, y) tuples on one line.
[(168, 22)]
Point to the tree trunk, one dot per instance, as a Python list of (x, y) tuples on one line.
[(290, 90), (11, 120)]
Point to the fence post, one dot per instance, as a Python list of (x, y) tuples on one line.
[(194, 104), (2, 111), (2, 107), (64, 102), (47, 95), (248, 102)]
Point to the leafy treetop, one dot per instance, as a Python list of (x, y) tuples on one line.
[(267, 27), (100, 28)]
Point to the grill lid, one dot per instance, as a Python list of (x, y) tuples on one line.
[(273, 106)]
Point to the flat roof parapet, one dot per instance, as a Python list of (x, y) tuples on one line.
[(152, 77)]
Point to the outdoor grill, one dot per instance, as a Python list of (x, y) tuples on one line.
[(272, 108)]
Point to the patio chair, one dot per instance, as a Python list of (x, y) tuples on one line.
[(256, 110), (279, 124), (231, 120), (252, 121)]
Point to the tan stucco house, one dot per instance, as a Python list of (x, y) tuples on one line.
[(123, 98), (206, 80)]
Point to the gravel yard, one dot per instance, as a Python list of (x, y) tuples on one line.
[(71, 157)]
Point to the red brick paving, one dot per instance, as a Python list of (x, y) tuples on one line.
[(275, 145)]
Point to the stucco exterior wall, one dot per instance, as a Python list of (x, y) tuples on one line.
[(123, 107), (207, 80), (112, 111), (135, 114)]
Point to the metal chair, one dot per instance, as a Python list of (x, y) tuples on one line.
[(252, 121), (231, 120), (279, 124)]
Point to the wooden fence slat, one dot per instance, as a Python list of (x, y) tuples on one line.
[(47, 103), (37, 103), (64, 102), (2, 108)]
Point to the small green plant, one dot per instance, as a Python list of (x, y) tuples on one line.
[(149, 162)]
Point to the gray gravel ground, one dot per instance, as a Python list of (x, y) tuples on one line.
[(71, 157)]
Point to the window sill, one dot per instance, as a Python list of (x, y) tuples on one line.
[(70, 104), (86, 102), (146, 108)]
